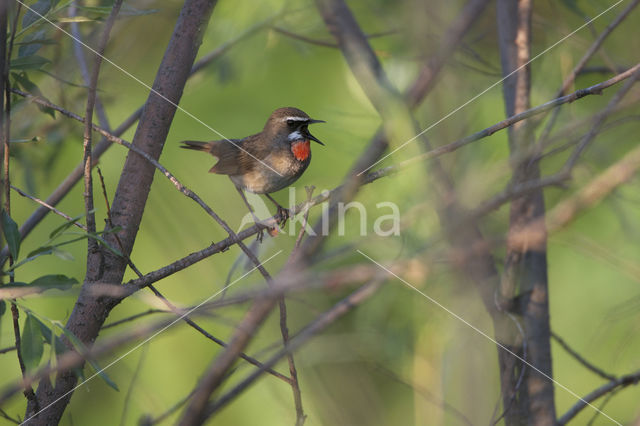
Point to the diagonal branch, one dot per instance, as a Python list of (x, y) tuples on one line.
[(612, 386), (581, 359)]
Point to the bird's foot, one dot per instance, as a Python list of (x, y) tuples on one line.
[(283, 215), (260, 235)]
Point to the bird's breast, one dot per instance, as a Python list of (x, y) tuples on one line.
[(301, 150)]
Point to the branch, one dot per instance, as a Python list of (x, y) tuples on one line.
[(93, 251), (311, 330), (580, 359), (47, 206), (323, 43), (613, 385), (570, 79), (596, 89), (447, 47)]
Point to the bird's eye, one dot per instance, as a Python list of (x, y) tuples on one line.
[(291, 123)]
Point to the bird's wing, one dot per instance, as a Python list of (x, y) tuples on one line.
[(236, 156)]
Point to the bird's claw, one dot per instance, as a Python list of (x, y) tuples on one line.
[(283, 215), (260, 235)]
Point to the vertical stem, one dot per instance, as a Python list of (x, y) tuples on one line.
[(5, 130), (93, 248), (528, 397)]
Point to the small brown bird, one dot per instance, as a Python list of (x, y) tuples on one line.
[(267, 161)]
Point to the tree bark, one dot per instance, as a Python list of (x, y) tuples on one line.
[(528, 397)]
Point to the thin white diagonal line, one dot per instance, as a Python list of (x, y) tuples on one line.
[(492, 86), (482, 333), (128, 74), (153, 336)]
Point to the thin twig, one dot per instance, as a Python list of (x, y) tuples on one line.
[(9, 349), (78, 51), (613, 385), (87, 160), (600, 118), (570, 79), (312, 329), (7, 417), (581, 359), (134, 379), (53, 209), (324, 43), (32, 403)]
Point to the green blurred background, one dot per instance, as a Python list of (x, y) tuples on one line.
[(352, 373)]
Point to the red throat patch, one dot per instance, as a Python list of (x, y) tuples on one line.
[(301, 150)]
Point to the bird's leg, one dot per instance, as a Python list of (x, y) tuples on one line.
[(283, 213), (255, 218)]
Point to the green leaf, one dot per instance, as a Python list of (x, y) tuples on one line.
[(31, 344), (68, 224), (33, 139), (23, 81), (49, 337), (79, 346), (63, 254), (28, 62), (41, 7), (125, 10), (31, 43), (75, 19), (61, 282), (11, 234)]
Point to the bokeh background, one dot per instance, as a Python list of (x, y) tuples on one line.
[(398, 358)]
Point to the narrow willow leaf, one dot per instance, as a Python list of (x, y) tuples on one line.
[(41, 7), (79, 346), (68, 224), (11, 234), (75, 19), (29, 62), (33, 139), (31, 344), (54, 281)]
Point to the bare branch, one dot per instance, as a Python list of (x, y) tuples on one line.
[(93, 256), (53, 209), (581, 359), (308, 332), (613, 385)]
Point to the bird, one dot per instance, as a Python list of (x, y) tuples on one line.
[(265, 162)]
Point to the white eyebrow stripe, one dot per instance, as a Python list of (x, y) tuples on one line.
[(295, 118), (295, 135)]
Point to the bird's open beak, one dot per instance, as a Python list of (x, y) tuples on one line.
[(313, 138)]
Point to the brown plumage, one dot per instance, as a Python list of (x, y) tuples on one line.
[(267, 161)]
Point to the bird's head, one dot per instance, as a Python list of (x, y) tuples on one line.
[(290, 124)]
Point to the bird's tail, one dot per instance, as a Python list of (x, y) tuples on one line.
[(195, 145)]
